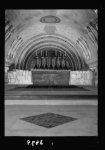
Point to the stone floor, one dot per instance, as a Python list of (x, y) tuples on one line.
[(84, 125)]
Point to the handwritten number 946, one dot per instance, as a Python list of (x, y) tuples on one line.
[(33, 143)]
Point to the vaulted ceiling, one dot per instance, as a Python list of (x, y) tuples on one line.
[(72, 30)]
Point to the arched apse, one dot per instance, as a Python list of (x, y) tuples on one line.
[(56, 43), (82, 46)]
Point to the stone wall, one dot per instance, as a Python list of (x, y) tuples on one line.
[(81, 78), (19, 77)]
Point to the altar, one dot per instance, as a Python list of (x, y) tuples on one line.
[(42, 77), (51, 77)]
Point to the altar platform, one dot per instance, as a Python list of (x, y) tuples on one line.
[(50, 92)]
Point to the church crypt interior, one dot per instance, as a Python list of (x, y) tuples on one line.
[(51, 72)]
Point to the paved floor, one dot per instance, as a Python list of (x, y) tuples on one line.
[(85, 125)]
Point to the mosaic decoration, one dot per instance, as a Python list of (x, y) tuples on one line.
[(48, 120), (50, 19)]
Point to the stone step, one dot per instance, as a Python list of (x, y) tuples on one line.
[(52, 102), (51, 97)]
